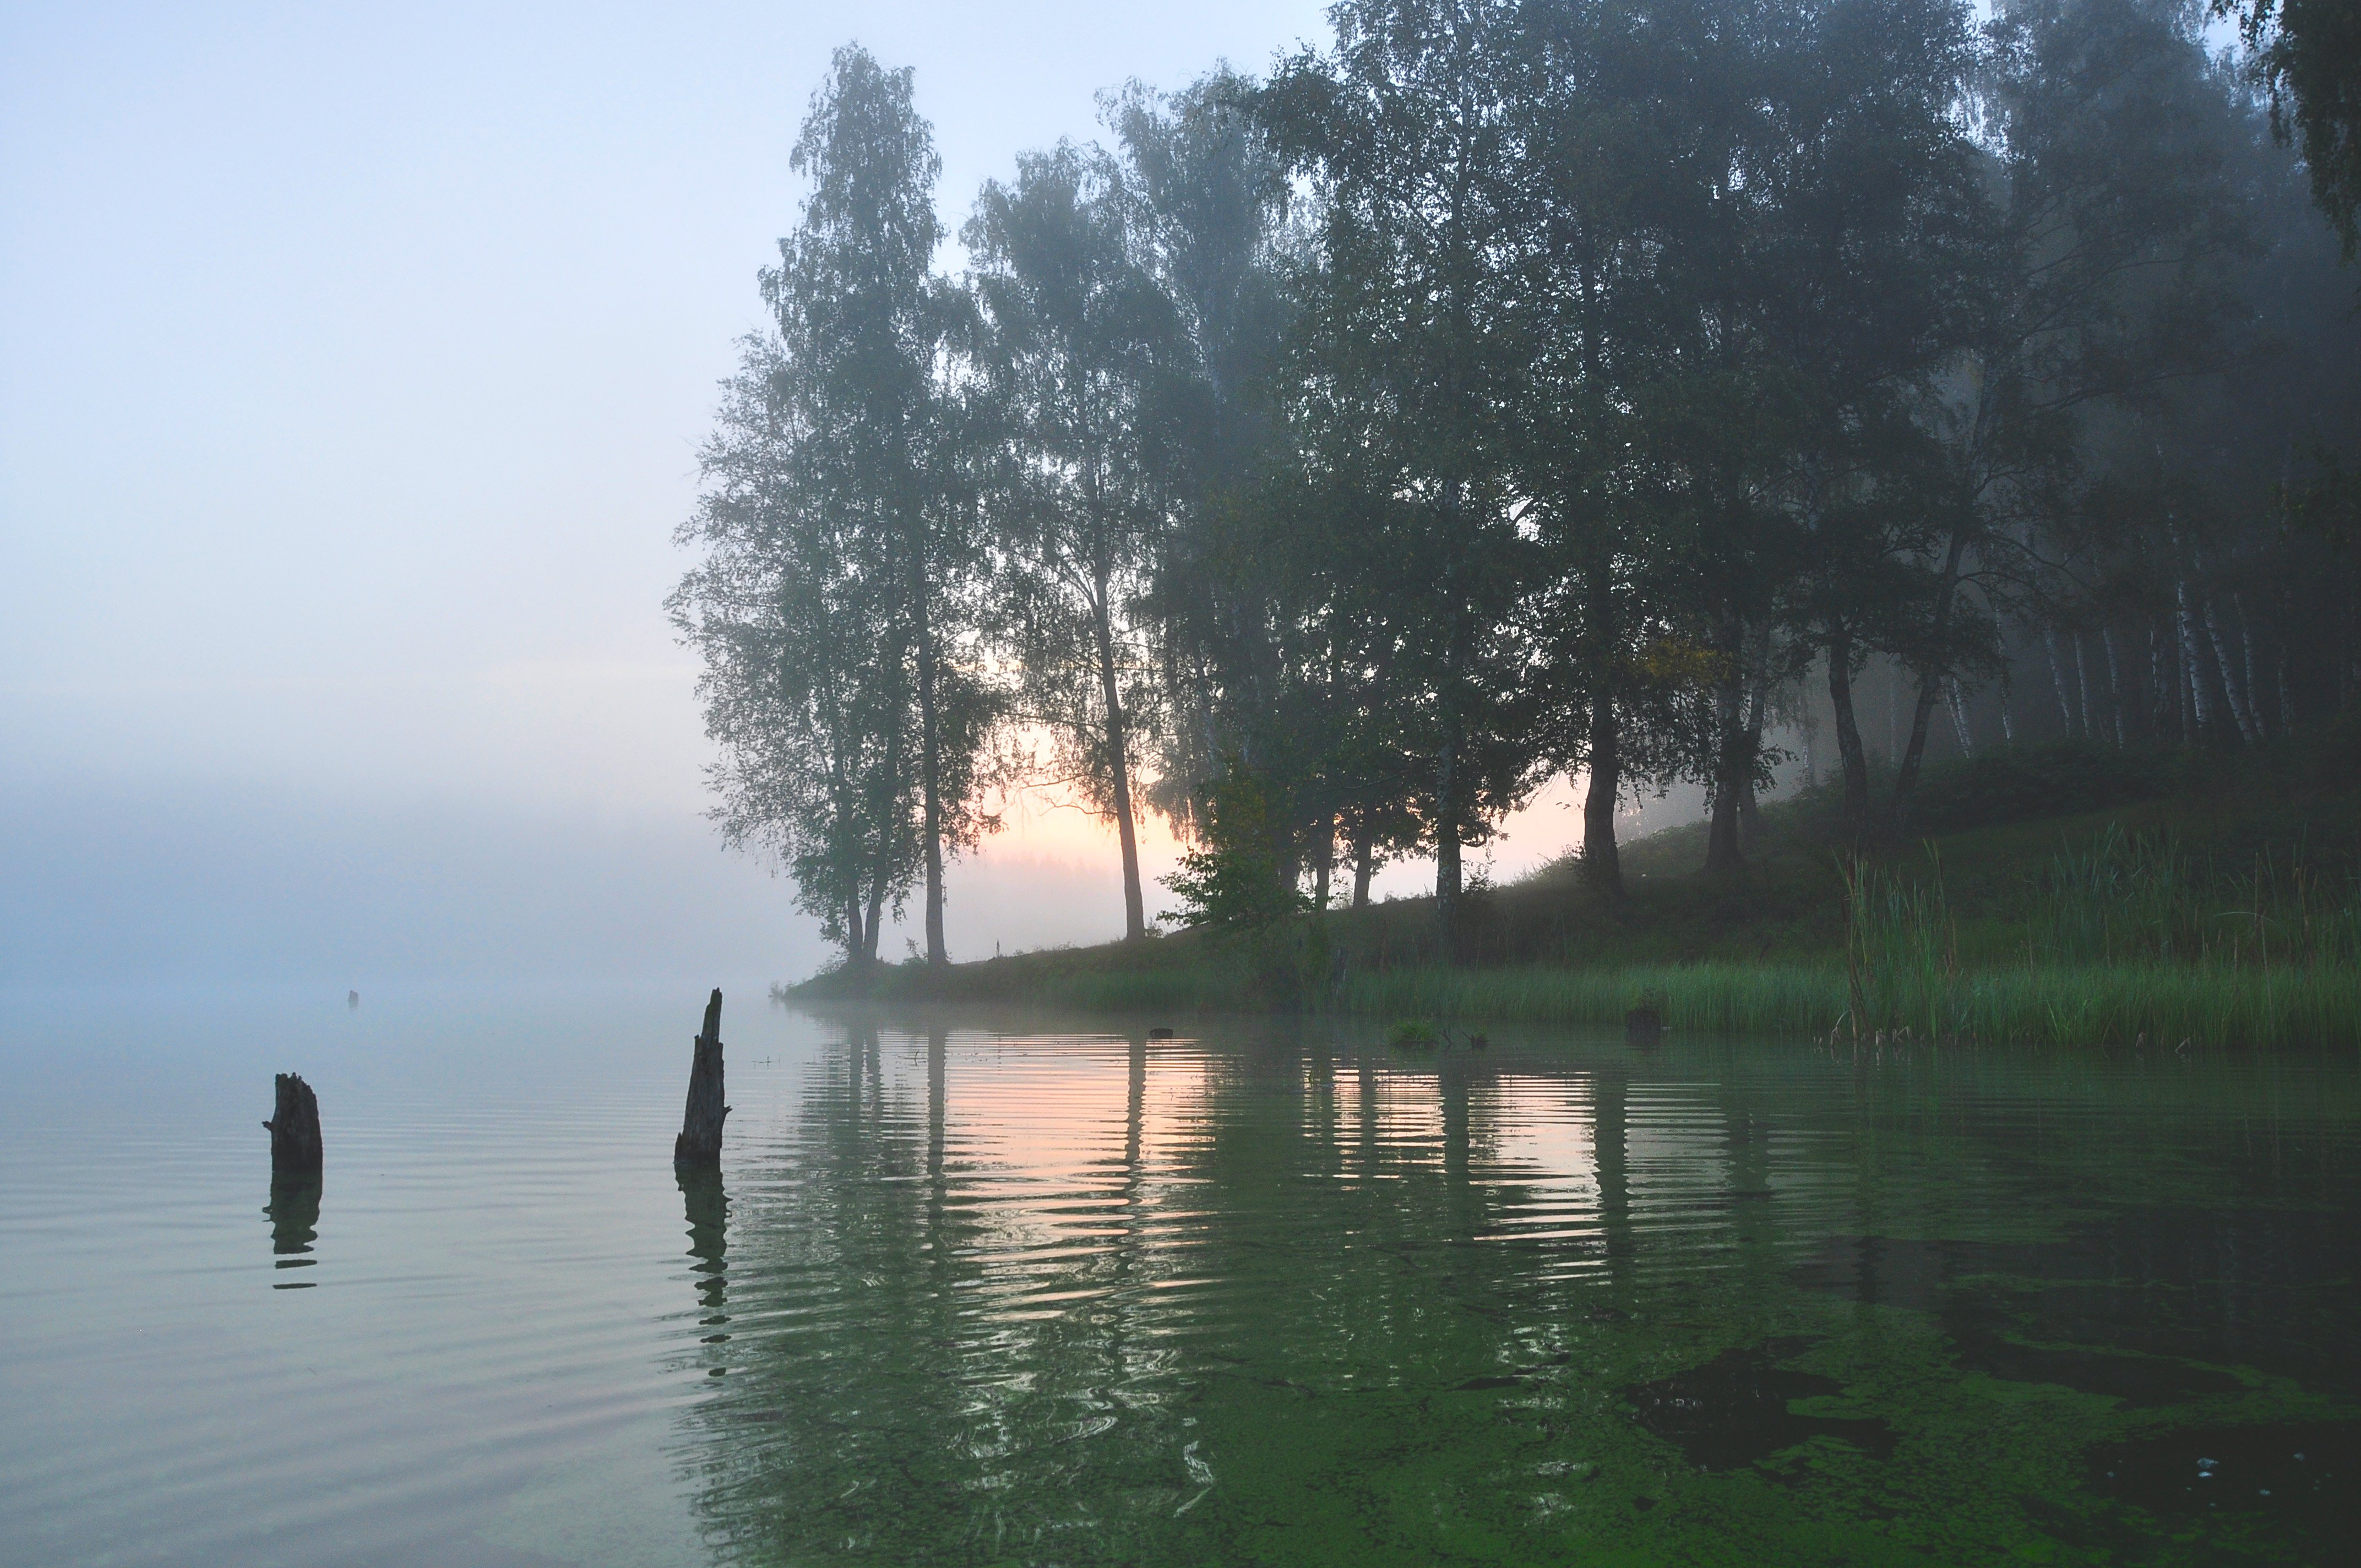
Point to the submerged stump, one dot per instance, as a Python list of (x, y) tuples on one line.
[(700, 1144), (294, 1129)]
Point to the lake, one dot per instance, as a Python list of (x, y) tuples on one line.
[(990, 1288)]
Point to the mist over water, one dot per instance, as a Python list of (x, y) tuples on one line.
[(994, 1288), (354, 369), (206, 886), (162, 882)]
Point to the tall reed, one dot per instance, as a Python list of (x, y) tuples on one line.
[(1902, 953), (2148, 899)]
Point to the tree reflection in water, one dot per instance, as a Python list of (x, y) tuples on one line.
[(1288, 1297)]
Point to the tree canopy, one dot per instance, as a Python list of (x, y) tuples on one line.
[(1634, 390)]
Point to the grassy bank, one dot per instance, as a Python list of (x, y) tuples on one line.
[(2082, 1005), (2074, 896)]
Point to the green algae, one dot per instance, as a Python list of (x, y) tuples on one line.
[(1290, 1298)]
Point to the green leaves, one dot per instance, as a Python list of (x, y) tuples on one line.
[(1231, 883), (835, 518)]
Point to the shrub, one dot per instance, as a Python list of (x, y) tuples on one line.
[(1231, 885)]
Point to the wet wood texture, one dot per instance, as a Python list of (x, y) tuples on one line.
[(294, 1129), (700, 1144)]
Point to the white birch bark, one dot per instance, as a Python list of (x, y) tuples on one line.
[(2199, 706), (2230, 692)]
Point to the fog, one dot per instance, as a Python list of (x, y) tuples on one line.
[(353, 364)]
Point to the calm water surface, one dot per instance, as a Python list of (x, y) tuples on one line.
[(996, 1289)]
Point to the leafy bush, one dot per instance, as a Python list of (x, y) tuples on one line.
[(1231, 886)]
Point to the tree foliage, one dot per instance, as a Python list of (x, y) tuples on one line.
[(2308, 53), (1628, 389), (837, 518)]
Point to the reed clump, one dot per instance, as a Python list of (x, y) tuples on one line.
[(1901, 953)]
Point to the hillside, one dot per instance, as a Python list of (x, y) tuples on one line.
[(2190, 891)]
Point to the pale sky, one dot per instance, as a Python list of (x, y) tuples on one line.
[(352, 363)]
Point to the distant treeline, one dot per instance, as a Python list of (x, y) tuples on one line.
[(1513, 390)]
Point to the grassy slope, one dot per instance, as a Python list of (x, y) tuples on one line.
[(1767, 952)]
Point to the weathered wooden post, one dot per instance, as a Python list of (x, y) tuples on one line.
[(294, 1129), (700, 1144)]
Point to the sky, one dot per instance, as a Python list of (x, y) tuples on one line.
[(353, 366)]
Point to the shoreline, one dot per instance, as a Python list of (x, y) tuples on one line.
[(2097, 1006)]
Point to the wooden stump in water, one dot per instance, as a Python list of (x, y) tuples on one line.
[(700, 1144), (294, 1129)]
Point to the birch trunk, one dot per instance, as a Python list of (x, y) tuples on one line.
[(1602, 858), (2082, 685), (1852, 756), (2230, 692), (1602, 861), (2058, 678), (2246, 641), (1722, 856), (2201, 716), (1134, 909), (2115, 682), (1758, 708), (1324, 843), (931, 770)]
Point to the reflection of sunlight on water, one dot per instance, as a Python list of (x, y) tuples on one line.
[(1390, 1121), (1679, 1156), (1544, 1158), (1043, 1279), (1273, 1294)]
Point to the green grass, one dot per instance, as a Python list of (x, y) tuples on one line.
[(2207, 899), (2150, 897), (2049, 1003), (1162, 974), (2063, 1005)]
